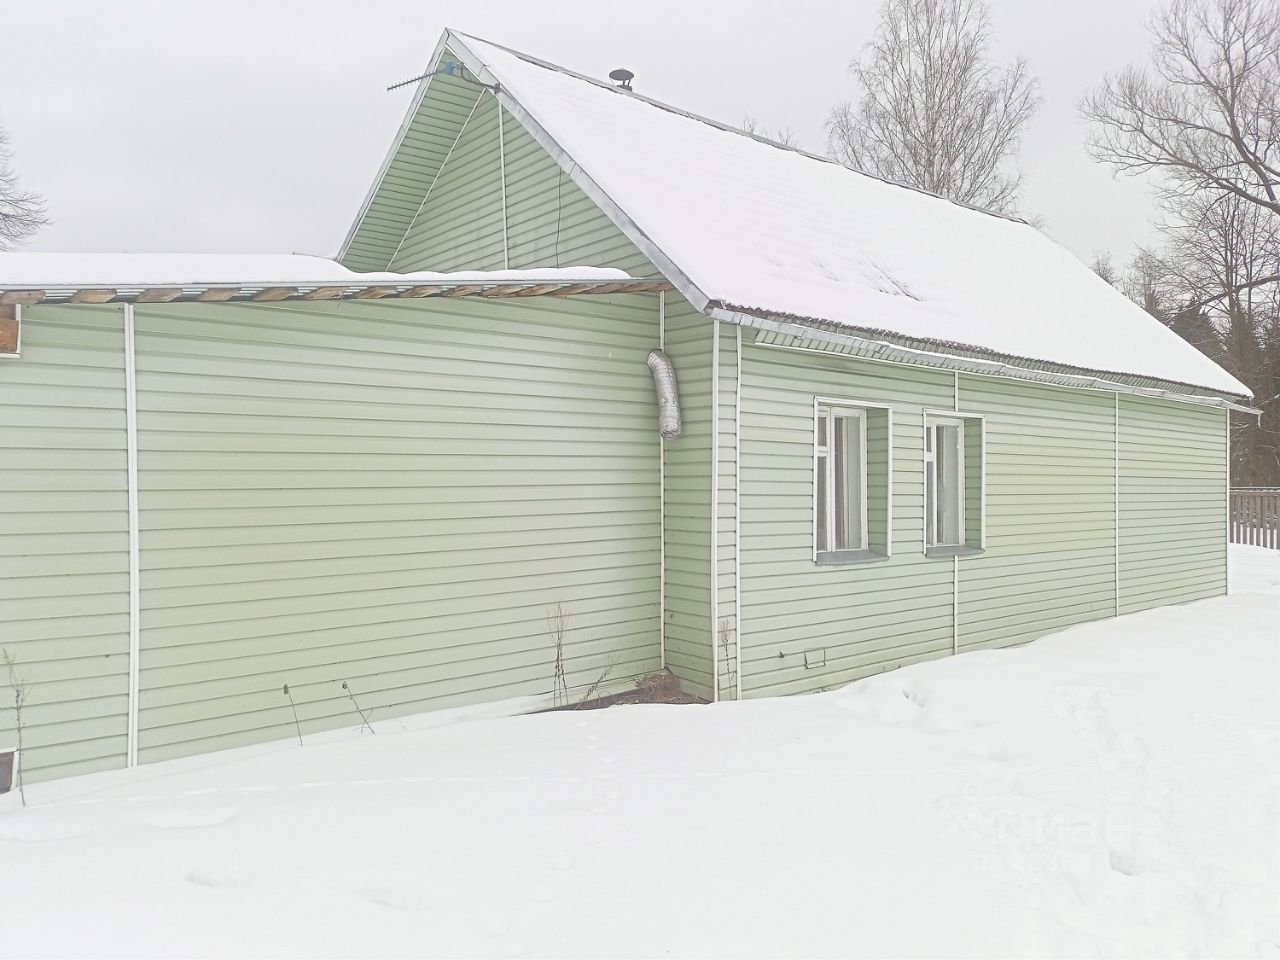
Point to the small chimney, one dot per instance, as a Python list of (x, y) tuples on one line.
[(623, 77)]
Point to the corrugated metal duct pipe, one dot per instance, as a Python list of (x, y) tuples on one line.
[(664, 384)]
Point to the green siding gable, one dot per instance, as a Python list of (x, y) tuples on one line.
[(429, 136), (551, 222)]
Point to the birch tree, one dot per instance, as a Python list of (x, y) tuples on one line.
[(22, 213), (934, 111)]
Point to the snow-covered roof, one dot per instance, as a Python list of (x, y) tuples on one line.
[(741, 223), (203, 269), (37, 277)]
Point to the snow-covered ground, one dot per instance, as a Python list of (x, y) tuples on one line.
[(1107, 791)]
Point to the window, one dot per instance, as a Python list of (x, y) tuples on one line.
[(954, 460), (944, 483), (841, 500), (853, 481)]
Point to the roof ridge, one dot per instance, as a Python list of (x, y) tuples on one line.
[(729, 128)]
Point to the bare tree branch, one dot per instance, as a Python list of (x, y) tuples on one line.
[(1206, 113), (22, 213), (783, 135), (933, 111)]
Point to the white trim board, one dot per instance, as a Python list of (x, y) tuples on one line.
[(131, 460)]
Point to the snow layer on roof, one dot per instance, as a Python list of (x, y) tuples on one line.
[(770, 229), (38, 270)]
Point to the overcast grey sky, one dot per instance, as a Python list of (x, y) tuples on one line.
[(258, 125)]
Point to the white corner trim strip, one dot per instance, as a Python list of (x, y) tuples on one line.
[(131, 466)]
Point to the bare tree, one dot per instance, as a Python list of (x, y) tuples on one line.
[(22, 213), (1214, 282), (1206, 113), (1204, 119), (1105, 267), (934, 112), (21, 690), (783, 135)]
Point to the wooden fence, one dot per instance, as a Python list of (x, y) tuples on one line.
[(1255, 516)]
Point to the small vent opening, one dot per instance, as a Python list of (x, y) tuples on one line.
[(8, 769), (10, 330)]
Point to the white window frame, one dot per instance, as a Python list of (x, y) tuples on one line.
[(931, 522), (842, 408), (979, 421)]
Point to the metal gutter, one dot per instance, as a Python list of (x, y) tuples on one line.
[(881, 352)]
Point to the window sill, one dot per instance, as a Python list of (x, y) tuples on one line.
[(833, 558), (956, 551)]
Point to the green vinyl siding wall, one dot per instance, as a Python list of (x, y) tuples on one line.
[(688, 628), (551, 222), (392, 496), (1050, 500), (64, 541), (1047, 498), (852, 619), (1172, 503)]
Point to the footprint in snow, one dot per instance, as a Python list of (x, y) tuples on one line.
[(545, 893), (219, 876), (394, 895)]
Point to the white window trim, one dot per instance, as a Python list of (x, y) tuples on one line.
[(17, 349), (859, 407), (931, 467), (961, 417)]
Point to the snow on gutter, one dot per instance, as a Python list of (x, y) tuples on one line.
[(880, 350), (30, 279)]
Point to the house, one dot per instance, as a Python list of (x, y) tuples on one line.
[(908, 429)]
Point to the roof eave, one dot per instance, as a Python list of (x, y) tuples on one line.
[(311, 290), (874, 345)]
